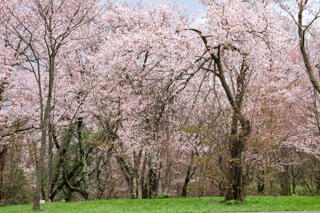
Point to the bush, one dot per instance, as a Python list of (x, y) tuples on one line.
[(161, 196), (17, 189)]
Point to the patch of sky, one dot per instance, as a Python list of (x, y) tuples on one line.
[(192, 7)]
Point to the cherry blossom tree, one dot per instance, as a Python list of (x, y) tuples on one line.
[(240, 41), (149, 70), (37, 31)]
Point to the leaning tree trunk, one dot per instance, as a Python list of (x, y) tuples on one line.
[(303, 49), (190, 172), (186, 182)]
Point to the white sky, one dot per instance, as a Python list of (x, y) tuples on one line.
[(193, 7)]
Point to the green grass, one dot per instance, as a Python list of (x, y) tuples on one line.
[(178, 205)]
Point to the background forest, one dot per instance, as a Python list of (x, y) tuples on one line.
[(102, 99)]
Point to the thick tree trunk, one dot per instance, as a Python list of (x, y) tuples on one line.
[(153, 176), (83, 158), (234, 187), (285, 181), (135, 188)]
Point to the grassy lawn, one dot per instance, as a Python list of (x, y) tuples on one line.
[(179, 205)]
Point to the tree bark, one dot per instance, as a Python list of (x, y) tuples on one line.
[(131, 177), (44, 128), (190, 172), (294, 182), (301, 33), (3, 152), (50, 165), (153, 176), (285, 181), (238, 137), (260, 182)]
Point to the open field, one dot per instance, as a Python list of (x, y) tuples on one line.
[(178, 205)]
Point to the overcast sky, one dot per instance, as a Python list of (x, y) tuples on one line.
[(193, 7)]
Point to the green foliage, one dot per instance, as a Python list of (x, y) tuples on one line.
[(17, 189), (233, 202), (177, 205), (162, 196)]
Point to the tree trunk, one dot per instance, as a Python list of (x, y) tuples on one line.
[(285, 182), (153, 176), (260, 182), (50, 168), (3, 152), (142, 180), (308, 66), (131, 177), (235, 187), (83, 158), (45, 117), (37, 194), (318, 183), (186, 182), (293, 180), (190, 172)]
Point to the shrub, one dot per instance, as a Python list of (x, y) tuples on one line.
[(161, 196)]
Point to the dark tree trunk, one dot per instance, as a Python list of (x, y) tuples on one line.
[(303, 49), (235, 187), (318, 183), (3, 152), (153, 183), (50, 165), (285, 182), (186, 182), (190, 172), (153, 176), (260, 182), (144, 187)]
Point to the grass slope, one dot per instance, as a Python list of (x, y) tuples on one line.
[(179, 205)]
